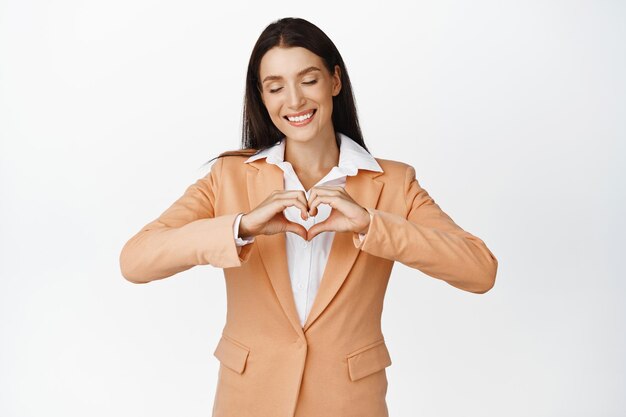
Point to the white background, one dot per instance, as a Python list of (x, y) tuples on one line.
[(512, 113)]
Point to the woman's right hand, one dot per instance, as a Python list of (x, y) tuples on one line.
[(268, 217)]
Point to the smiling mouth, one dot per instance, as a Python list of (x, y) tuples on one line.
[(302, 118)]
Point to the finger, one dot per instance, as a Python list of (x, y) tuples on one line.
[(320, 191), (315, 193), (333, 200), (297, 194), (312, 196), (301, 196), (296, 228), (313, 211), (318, 228), (291, 202)]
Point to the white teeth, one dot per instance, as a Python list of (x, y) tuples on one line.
[(300, 118)]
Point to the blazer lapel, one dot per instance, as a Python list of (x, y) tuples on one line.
[(261, 181), (272, 248), (365, 190)]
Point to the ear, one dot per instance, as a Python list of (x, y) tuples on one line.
[(337, 80)]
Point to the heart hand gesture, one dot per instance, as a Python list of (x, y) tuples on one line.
[(268, 217), (346, 215)]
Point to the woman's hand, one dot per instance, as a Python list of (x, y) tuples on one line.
[(345, 215), (268, 217)]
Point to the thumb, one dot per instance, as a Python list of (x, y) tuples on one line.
[(317, 228), (296, 228)]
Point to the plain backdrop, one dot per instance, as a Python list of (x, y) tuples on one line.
[(512, 113)]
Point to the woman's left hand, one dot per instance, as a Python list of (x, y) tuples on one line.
[(345, 215)]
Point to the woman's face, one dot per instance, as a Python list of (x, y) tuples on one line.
[(295, 83)]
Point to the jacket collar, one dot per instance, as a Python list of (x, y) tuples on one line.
[(263, 177)]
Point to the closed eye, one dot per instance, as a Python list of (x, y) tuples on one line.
[(275, 90)]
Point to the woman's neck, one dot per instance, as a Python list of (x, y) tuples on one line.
[(313, 158)]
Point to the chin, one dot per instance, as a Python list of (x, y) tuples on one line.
[(303, 136)]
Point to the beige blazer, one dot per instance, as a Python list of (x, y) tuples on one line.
[(334, 366)]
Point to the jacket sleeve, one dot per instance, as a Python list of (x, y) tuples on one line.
[(428, 239), (185, 235)]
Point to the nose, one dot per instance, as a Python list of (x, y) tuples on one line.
[(296, 98)]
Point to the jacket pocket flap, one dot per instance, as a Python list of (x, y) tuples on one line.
[(368, 359), (232, 354)]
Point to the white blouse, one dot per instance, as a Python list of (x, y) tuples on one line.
[(307, 260)]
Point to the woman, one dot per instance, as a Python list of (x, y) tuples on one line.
[(302, 335)]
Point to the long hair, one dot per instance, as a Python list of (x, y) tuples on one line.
[(258, 130)]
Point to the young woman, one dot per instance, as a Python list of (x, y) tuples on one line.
[(306, 225)]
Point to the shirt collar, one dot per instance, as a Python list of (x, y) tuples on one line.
[(352, 156)]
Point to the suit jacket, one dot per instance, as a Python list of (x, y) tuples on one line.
[(270, 365)]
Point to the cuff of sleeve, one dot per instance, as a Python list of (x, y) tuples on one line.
[(240, 241), (241, 253)]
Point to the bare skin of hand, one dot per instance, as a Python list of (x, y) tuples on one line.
[(268, 218), (345, 216)]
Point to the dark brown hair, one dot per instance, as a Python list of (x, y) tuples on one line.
[(258, 130)]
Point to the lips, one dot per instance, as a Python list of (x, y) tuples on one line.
[(303, 122), (302, 113)]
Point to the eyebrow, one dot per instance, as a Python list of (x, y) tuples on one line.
[(278, 77)]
